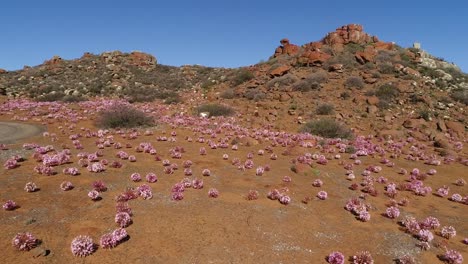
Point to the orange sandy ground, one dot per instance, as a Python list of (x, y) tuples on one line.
[(227, 229)]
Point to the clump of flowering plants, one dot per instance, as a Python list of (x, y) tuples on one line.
[(336, 258), (123, 219), (10, 205), (30, 187), (24, 241), (82, 246), (363, 257), (66, 186)]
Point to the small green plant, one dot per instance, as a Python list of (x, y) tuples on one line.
[(123, 116), (425, 114), (325, 109), (242, 76), (327, 128), (215, 109)]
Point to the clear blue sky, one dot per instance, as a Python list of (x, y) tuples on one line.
[(218, 33)]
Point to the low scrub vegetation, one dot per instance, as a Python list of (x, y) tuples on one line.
[(327, 128), (387, 92), (123, 116), (312, 82), (325, 109), (215, 109), (354, 82), (460, 96), (242, 76)]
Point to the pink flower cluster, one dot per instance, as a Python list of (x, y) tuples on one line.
[(392, 212), (213, 193), (10, 164), (44, 170), (24, 241), (82, 246), (145, 191), (94, 195), (336, 258), (358, 208), (10, 205), (281, 196), (30, 187), (71, 171), (123, 219), (66, 186), (363, 257), (96, 167), (453, 257), (448, 232), (111, 240), (322, 195)]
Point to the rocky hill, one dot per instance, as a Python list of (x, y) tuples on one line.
[(135, 76), (375, 87)]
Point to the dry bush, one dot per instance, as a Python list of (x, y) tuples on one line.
[(123, 116), (215, 109), (312, 82), (325, 109), (255, 94), (460, 96), (387, 92), (242, 76), (228, 94), (327, 128), (354, 82), (284, 80)]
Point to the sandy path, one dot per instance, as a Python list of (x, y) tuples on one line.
[(11, 131)]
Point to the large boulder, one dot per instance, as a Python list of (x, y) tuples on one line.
[(286, 48), (279, 71)]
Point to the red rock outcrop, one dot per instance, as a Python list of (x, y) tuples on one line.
[(351, 33), (286, 48), (2, 71), (142, 59), (54, 61), (281, 70)]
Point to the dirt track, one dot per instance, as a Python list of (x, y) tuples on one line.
[(11, 131)]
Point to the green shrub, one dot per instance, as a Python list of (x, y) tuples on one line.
[(425, 114), (325, 109), (215, 109), (123, 116), (242, 76), (327, 128), (387, 92), (354, 82)]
